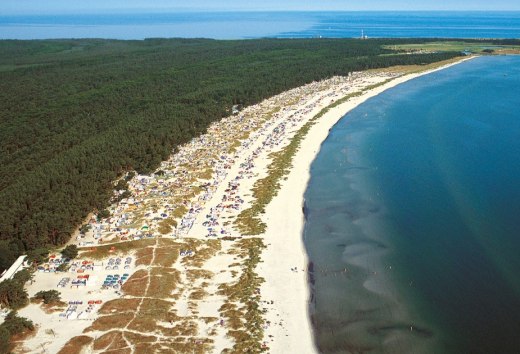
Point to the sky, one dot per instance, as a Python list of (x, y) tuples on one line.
[(9, 7)]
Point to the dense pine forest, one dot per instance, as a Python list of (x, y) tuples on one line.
[(76, 114)]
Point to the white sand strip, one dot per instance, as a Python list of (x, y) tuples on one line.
[(290, 329)]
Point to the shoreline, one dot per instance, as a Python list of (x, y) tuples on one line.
[(285, 215), (180, 225)]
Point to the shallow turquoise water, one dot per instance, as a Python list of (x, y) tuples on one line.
[(413, 217)]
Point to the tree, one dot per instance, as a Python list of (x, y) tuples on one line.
[(13, 324), (125, 194), (39, 255), (48, 296), (71, 251), (121, 185), (13, 294), (23, 276), (16, 324), (5, 338), (62, 267), (7, 255), (130, 176), (102, 214), (84, 228)]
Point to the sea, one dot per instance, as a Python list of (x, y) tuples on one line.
[(242, 25), (413, 217), (413, 206)]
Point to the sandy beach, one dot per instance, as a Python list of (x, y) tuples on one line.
[(193, 282), (284, 217)]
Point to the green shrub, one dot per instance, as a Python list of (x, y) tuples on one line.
[(71, 251), (48, 296)]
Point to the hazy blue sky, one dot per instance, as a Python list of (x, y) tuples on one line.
[(95, 6)]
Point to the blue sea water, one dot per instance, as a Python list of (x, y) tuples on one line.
[(413, 217), (238, 25)]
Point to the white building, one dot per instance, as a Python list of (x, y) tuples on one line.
[(17, 265)]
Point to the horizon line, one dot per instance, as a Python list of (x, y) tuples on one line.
[(173, 10)]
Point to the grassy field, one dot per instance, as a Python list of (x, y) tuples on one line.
[(457, 46)]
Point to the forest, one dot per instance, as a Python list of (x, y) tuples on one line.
[(76, 114)]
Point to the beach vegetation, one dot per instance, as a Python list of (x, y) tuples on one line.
[(109, 322), (163, 282), (166, 252), (206, 174), (76, 345), (12, 291), (249, 221), (63, 267), (103, 214), (13, 328), (110, 341), (119, 306), (16, 324), (484, 46), (101, 252), (166, 226), (244, 319), (179, 211), (38, 255), (84, 228), (144, 256), (121, 185), (5, 338), (48, 296), (9, 251), (71, 251), (134, 285)]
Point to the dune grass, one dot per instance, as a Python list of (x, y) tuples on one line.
[(163, 282), (134, 286), (110, 322), (111, 341), (179, 211), (122, 248), (241, 309), (144, 255), (119, 306), (166, 226), (167, 253), (454, 46), (249, 221), (76, 345)]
